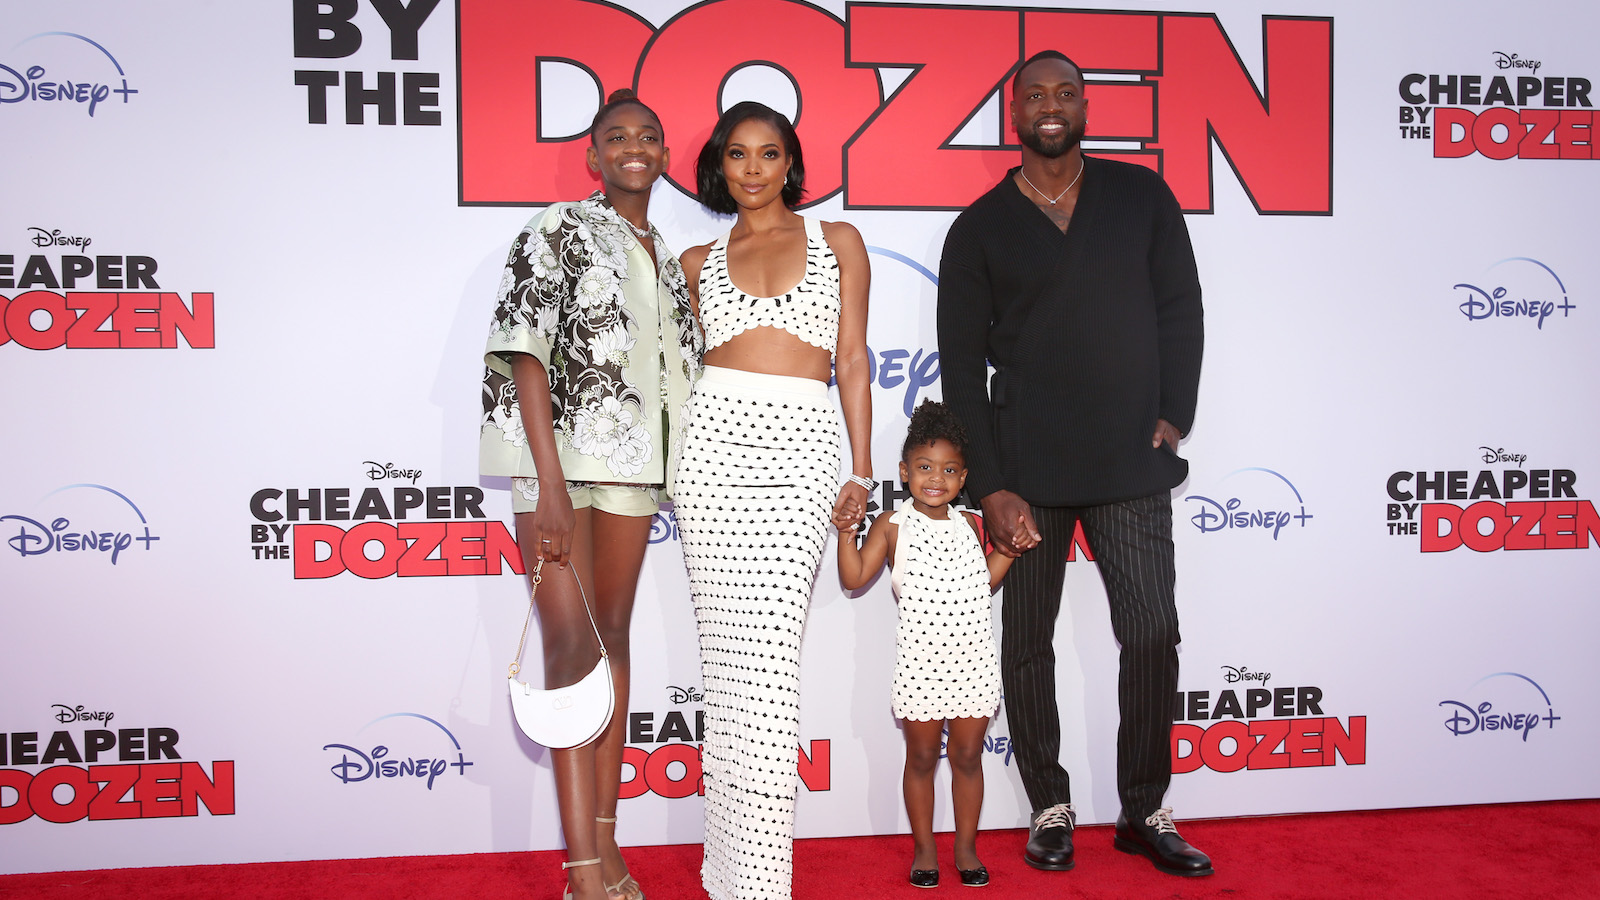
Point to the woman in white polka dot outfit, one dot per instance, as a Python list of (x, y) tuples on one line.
[(783, 301)]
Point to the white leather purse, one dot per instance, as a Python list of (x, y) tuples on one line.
[(564, 717)]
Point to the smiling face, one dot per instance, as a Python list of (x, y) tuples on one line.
[(627, 150), (934, 473), (1048, 109), (755, 164)]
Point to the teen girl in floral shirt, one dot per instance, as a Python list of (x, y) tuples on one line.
[(591, 356)]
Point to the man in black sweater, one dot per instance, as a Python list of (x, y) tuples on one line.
[(1075, 278)]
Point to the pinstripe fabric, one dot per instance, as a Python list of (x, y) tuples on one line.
[(1132, 543)]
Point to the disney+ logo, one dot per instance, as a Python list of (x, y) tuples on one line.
[(1523, 289), (1270, 509), (30, 84), (1482, 717), (381, 762), (664, 526), (34, 537)]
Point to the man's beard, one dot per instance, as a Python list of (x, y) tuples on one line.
[(1054, 147)]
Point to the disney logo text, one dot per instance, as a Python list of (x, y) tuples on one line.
[(15, 88), (684, 695), (54, 238), (1465, 719), (1481, 304), (1216, 516), (380, 471), (1234, 675), (1494, 455), (65, 713), (1513, 61), (375, 765), (44, 539)]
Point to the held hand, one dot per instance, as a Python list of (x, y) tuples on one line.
[(843, 522), (553, 523), (1009, 521), (851, 507), (1165, 432)]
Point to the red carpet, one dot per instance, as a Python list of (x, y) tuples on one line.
[(1521, 850)]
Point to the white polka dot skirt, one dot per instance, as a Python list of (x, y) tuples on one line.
[(945, 662), (755, 482)]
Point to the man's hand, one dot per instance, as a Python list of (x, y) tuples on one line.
[(1009, 522), (1165, 432)]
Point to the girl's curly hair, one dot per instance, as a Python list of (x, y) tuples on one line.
[(931, 421)]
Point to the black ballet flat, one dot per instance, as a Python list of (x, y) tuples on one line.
[(926, 878), (974, 877)]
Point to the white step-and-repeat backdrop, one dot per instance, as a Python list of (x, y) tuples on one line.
[(258, 603)]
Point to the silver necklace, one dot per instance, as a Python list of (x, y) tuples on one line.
[(1036, 190), (642, 233)]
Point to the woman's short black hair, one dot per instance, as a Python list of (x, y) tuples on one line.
[(621, 97), (713, 188), (930, 422)]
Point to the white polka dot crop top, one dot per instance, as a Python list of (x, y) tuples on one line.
[(809, 310)]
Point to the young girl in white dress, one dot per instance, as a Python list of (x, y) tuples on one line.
[(946, 668)]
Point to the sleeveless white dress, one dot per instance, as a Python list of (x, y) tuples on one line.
[(755, 482), (945, 661)]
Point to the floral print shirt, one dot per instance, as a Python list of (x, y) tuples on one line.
[(617, 338)]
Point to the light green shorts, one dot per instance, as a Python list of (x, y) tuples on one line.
[(617, 499)]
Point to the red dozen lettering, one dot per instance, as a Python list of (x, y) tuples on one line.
[(1501, 133), (1231, 745), (673, 770), (133, 789), (1189, 89)]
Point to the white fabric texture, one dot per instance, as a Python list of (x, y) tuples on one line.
[(945, 661), (755, 483), (809, 310)]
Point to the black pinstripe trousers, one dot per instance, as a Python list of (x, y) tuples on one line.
[(1132, 543)]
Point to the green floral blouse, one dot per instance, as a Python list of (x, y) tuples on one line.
[(617, 338)]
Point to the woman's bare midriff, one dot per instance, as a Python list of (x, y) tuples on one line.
[(772, 351)]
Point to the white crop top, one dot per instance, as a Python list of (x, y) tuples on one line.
[(809, 310)]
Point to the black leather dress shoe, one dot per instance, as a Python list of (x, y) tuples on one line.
[(1050, 839), (1157, 838), (974, 877), (925, 878)]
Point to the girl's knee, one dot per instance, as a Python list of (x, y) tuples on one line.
[(922, 759), (965, 759), (568, 661), (616, 638)]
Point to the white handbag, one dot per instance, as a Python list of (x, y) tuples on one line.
[(564, 717)]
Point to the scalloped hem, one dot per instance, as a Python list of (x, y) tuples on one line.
[(819, 343), (962, 714)]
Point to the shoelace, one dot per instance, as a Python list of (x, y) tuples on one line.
[(1161, 821), (1059, 816)]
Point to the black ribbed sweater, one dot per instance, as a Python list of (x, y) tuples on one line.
[(1095, 334)]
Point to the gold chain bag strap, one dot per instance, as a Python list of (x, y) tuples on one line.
[(569, 716)]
